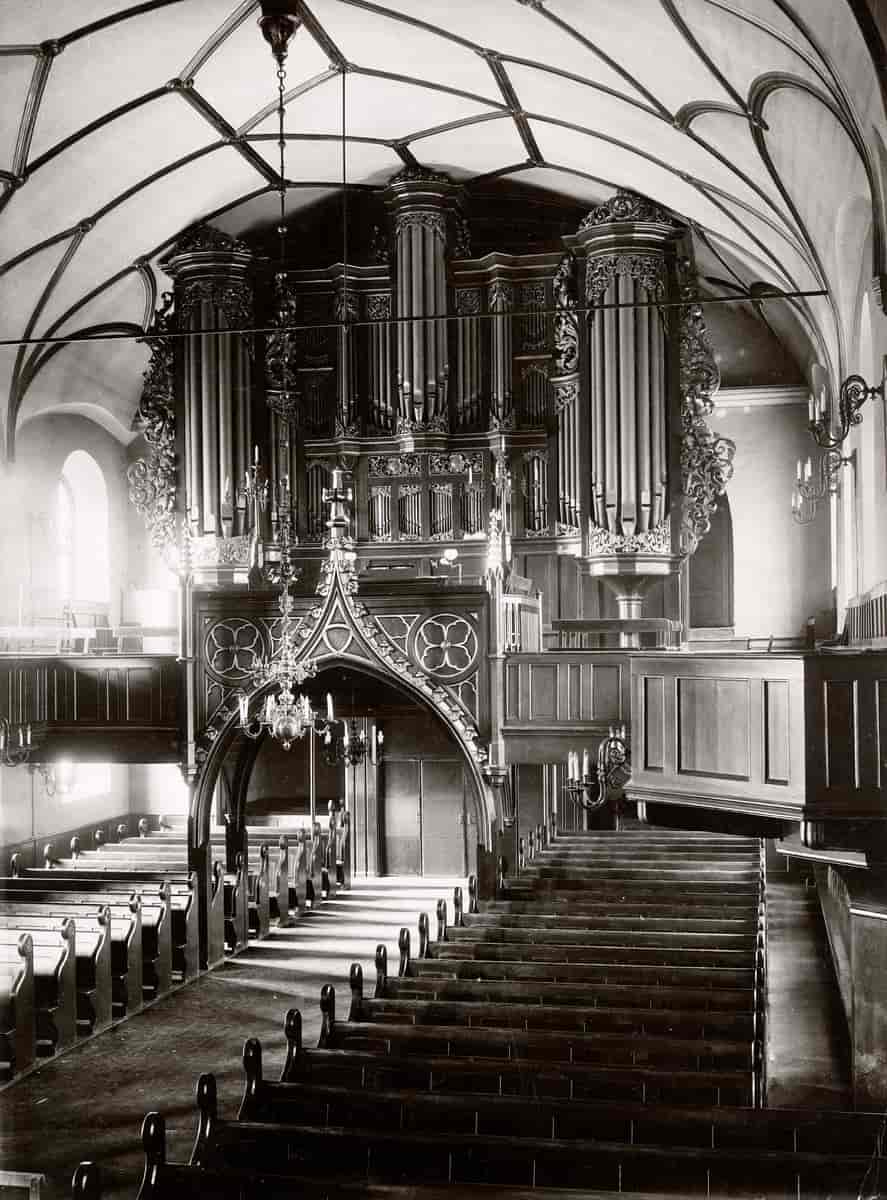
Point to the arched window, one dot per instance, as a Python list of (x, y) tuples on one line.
[(82, 532)]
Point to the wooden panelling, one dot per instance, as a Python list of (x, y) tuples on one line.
[(606, 693), (714, 727), (142, 689), (574, 692), (543, 691), (88, 706), (512, 691), (777, 748), (880, 737), (841, 749), (653, 722)]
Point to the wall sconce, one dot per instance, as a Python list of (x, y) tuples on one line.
[(15, 742), (591, 789), (854, 393), (58, 778), (807, 493)]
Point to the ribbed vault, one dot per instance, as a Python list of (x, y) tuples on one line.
[(761, 122)]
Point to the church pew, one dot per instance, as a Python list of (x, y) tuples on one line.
[(145, 853), (263, 874), (149, 898), (140, 875), (584, 1015), (316, 1103), (126, 933), (372, 1149), (17, 1011), (92, 952), (55, 986), (536, 1046)]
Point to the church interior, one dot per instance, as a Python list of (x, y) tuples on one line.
[(443, 613)]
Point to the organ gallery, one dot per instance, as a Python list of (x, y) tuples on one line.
[(442, 644)]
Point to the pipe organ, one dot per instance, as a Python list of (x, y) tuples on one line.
[(419, 366)]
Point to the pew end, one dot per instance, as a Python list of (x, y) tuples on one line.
[(403, 945), (381, 970), (206, 1095), (355, 981), (252, 1069), (154, 1147), (292, 1031), (328, 1015), (87, 1182)]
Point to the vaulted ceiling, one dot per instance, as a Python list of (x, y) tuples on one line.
[(761, 122)]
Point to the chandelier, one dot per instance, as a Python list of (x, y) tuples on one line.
[(283, 397), (285, 715)]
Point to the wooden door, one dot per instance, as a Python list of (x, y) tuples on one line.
[(443, 817), (401, 818)]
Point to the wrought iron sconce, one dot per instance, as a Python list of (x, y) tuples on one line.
[(348, 743), (16, 743), (58, 778), (808, 493), (592, 789), (854, 393)]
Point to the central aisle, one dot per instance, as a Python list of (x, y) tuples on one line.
[(89, 1103)]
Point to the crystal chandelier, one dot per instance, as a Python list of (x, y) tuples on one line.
[(284, 714)]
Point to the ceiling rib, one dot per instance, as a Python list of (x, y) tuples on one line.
[(396, 77), (136, 10), (48, 52), (534, 154), (589, 83), (212, 43), (461, 123), (687, 34), (185, 88), (572, 32), (85, 130), (321, 37), (308, 85), (416, 22)]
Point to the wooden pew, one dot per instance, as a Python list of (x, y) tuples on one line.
[(17, 1011), (146, 955), (143, 875), (126, 930), (55, 984), (236, 907), (92, 944)]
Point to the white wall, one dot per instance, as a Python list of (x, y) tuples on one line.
[(26, 811), (781, 569)]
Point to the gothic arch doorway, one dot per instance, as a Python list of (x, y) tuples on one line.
[(474, 801), (711, 574)]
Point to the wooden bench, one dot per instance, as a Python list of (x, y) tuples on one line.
[(55, 984), (126, 930), (17, 1011), (145, 876), (142, 952), (92, 945)]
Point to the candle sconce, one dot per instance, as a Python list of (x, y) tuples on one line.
[(592, 789), (854, 393), (16, 743), (809, 492), (346, 741)]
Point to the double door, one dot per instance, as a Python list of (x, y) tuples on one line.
[(425, 819)]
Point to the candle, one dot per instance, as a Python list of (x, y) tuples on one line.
[(337, 478), (244, 708), (811, 406), (808, 470), (329, 706), (28, 734), (470, 476), (227, 491), (585, 771), (800, 475), (256, 455), (345, 738)]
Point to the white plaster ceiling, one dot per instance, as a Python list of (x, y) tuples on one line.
[(758, 121)]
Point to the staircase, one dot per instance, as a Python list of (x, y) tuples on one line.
[(598, 1026)]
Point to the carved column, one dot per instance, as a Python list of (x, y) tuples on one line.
[(421, 203), (213, 291), (565, 386), (629, 247), (468, 358), (348, 408), (500, 302), (380, 414)]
